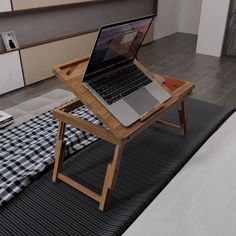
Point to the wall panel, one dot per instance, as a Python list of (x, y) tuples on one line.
[(150, 35), (37, 27), (11, 73), (38, 61), (212, 27), (189, 19), (167, 19), (5, 5), (48, 36), (28, 4)]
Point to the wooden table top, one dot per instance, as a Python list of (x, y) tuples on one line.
[(71, 74)]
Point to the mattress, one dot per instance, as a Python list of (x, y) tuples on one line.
[(150, 161), (201, 199)]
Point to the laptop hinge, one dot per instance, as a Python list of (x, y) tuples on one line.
[(109, 69)]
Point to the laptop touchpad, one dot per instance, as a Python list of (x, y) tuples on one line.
[(141, 101)]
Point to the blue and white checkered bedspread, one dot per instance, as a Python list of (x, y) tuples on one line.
[(26, 150)]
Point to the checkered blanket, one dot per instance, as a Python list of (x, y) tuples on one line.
[(26, 150)]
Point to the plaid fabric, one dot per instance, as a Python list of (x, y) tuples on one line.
[(26, 150)]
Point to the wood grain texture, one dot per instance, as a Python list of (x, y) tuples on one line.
[(79, 187), (111, 177), (59, 150), (88, 127), (71, 73), (74, 83)]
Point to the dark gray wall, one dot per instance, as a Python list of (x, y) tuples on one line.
[(47, 24)]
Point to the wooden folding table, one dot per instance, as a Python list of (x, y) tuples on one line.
[(71, 74)]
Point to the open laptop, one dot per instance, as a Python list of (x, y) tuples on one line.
[(113, 78)]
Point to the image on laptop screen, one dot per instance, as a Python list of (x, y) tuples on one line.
[(117, 43)]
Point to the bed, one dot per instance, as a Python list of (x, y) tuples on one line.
[(168, 184), (200, 200)]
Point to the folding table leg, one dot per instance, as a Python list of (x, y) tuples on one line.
[(183, 116), (111, 177), (59, 151)]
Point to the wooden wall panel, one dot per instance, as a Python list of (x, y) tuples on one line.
[(38, 32), (38, 61), (11, 73), (29, 4), (47, 25)]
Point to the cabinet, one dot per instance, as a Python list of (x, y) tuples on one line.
[(11, 72), (42, 45), (5, 5)]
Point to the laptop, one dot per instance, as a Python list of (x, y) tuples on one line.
[(114, 79)]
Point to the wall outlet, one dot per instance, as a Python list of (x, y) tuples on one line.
[(10, 40)]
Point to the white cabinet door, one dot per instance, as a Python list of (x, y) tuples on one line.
[(10, 72), (5, 5)]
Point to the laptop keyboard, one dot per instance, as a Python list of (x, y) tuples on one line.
[(120, 84)]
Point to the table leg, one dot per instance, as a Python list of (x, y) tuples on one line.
[(183, 116), (59, 151), (111, 177), (182, 126)]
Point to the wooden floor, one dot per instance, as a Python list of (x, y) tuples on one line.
[(173, 55)]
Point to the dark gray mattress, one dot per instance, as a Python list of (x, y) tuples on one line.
[(148, 164)]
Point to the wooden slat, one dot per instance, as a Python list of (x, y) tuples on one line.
[(59, 150), (111, 177), (85, 126), (168, 124), (79, 187), (71, 105)]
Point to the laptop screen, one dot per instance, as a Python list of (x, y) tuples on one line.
[(117, 44)]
